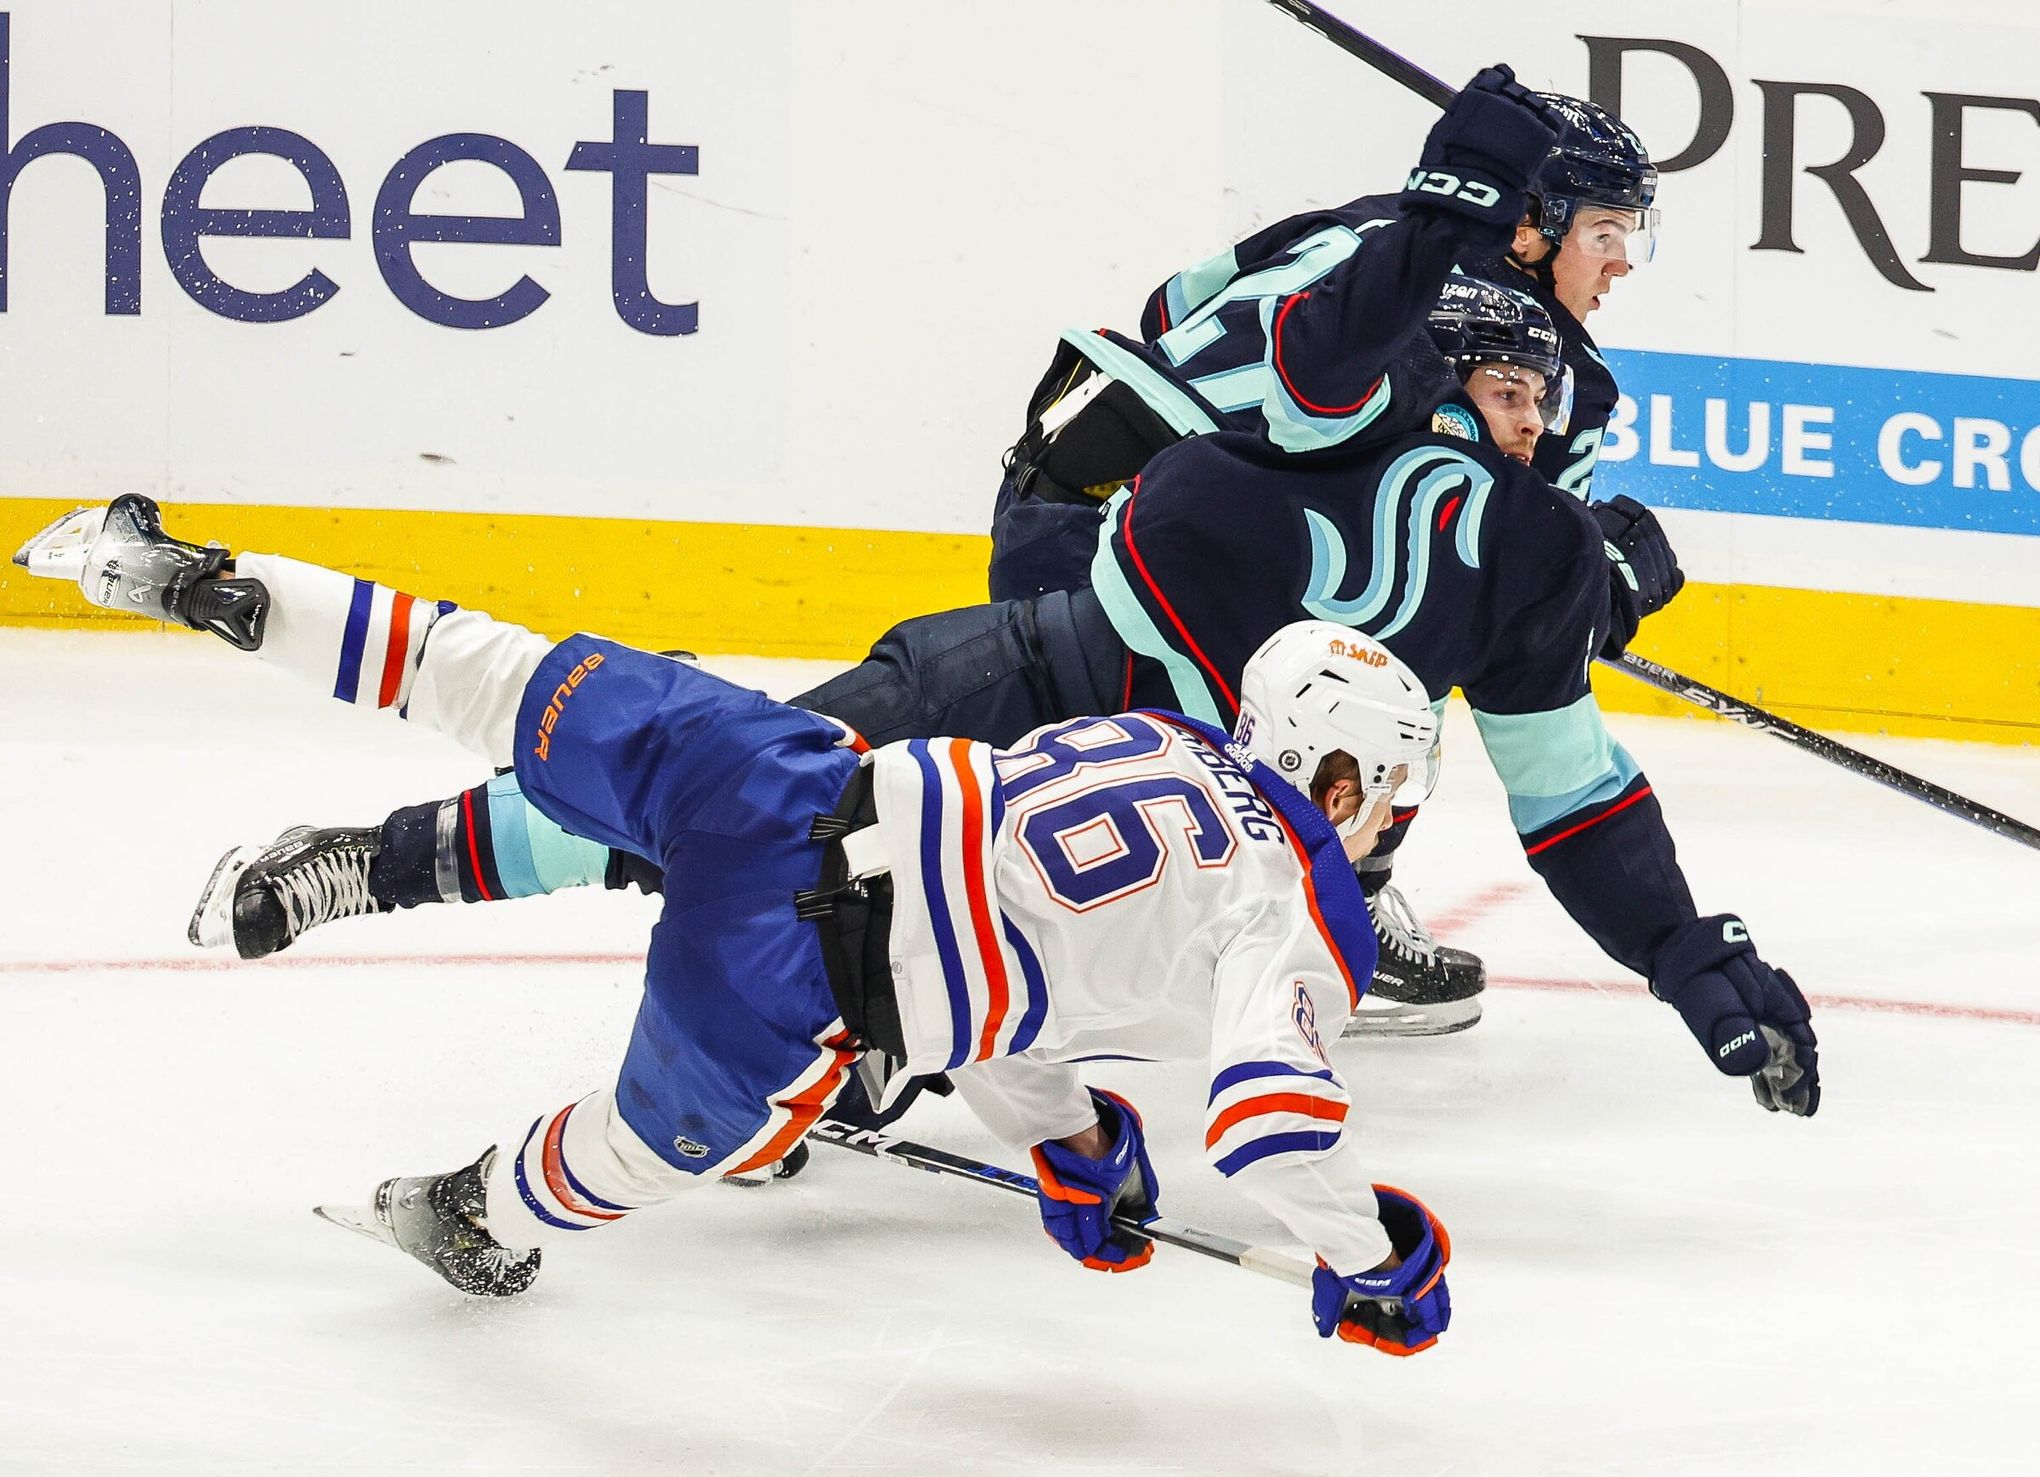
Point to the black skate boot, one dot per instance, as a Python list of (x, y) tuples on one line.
[(438, 1218), (261, 898), (122, 560), (1420, 988)]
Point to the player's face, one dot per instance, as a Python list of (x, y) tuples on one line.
[(1594, 253), (1508, 397), (1360, 818)]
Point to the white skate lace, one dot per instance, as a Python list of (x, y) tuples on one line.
[(331, 885), (1398, 927)]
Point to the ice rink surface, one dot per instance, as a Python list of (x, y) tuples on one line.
[(1651, 1275)]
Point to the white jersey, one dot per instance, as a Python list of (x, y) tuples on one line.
[(1134, 887)]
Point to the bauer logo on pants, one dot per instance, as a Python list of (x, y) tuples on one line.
[(551, 717)]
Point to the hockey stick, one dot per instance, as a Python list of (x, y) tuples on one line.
[(1424, 85), (1279, 1265), (1821, 746), (1355, 43)]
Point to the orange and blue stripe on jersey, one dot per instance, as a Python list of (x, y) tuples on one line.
[(548, 1186), (381, 643), (1263, 1108), (996, 996)]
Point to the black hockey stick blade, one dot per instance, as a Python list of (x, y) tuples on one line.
[(877, 1145), (1722, 705), (1390, 64)]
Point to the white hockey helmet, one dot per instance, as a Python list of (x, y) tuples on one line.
[(1314, 687)]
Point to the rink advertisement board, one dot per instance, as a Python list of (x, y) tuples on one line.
[(1826, 442), (711, 323)]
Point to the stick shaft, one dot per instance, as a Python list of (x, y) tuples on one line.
[(1390, 64), (1278, 1265), (1722, 705)]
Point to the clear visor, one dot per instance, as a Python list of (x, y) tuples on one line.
[(1623, 233), (1553, 397), (1404, 785)]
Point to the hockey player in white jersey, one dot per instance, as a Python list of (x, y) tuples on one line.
[(1135, 886)]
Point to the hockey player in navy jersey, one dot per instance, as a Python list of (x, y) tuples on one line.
[(1346, 355), (1446, 546), (1322, 308), (1285, 337), (1136, 886)]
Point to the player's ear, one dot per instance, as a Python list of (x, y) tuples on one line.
[(1529, 244)]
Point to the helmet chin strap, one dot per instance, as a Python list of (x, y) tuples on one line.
[(1540, 269)]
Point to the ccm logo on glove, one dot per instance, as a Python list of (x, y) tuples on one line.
[(1743, 1040), (1438, 182)]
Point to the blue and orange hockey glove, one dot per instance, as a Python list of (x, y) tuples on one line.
[(1402, 1310), (1749, 1018), (1079, 1197)]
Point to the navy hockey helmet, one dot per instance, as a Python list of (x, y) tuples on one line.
[(1597, 161), (1477, 322)]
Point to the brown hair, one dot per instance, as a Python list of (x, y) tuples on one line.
[(1335, 766)]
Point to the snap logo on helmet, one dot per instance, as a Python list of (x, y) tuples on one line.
[(1372, 656), (550, 718), (627, 156)]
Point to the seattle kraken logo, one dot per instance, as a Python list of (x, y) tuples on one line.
[(1406, 511)]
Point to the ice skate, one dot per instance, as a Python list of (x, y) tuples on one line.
[(122, 560), (779, 1169), (1420, 988), (438, 1219), (261, 899)]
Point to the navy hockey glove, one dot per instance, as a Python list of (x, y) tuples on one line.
[(1749, 1018), (1634, 536), (1484, 150), (1078, 1196), (1400, 1311)]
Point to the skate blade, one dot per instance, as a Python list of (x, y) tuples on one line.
[(58, 552), (361, 1220), (1413, 1020), (212, 921)]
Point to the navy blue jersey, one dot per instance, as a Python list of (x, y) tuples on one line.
[(1309, 334), (1470, 567), (1301, 334)]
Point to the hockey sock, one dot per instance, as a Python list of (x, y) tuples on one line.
[(360, 641), (575, 1169), (366, 644), (481, 846)]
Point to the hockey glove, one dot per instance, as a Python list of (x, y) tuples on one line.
[(1079, 1196), (1749, 1018), (1634, 536), (1400, 1311), (1484, 151)]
